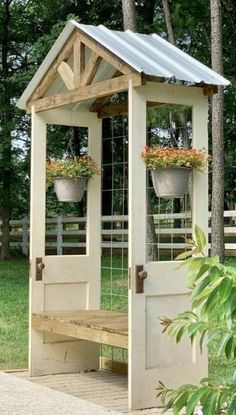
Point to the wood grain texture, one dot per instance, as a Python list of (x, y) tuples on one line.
[(66, 74), (99, 326), (83, 93)]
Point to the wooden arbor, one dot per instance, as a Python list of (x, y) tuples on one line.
[(73, 87)]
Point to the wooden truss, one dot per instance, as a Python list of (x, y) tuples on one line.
[(78, 79)]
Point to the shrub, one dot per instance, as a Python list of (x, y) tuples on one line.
[(213, 287)]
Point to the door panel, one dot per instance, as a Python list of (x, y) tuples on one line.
[(151, 356), (68, 282)]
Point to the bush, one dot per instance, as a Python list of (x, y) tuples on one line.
[(213, 287)]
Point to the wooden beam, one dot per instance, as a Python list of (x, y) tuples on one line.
[(105, 54), (100, 102), (66, 74), (79, 61), (90, 69), (121, 108), (83, 93), (210, 90), (52, 71)]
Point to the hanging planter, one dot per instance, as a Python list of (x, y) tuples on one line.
[(70, 177), (69, 189), (171, 168), (170, 182)]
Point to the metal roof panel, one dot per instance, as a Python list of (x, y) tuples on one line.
[(148, 54)]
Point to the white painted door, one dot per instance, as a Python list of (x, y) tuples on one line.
[(151, 356), (69, 282)]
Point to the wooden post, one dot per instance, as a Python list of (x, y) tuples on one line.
[(25, 238), (59, 235)]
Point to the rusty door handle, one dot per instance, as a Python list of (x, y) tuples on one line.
[(141, 275), (39, 269)]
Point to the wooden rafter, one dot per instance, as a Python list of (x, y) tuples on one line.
[(52, 71), (90, 69), (105, 54), (120, 109), (79, 61), (83, 93), (100, 102), (66, 74)]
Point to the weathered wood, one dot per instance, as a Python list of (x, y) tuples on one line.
[(90, 69), (66, 74), (52, 71), (83, 93), (99, 326), (121, 108), (79, 61), (105, 54), (100, 102)]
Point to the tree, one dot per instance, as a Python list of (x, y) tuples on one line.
[(217, 203), (128, 7)]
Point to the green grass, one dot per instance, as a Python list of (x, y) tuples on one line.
[(14, 313)]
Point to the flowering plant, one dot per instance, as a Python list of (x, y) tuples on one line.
[(164, 157), (77, 167)]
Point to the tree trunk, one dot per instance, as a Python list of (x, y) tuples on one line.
[(170, 33), (217, 203), (128, 7), (6, 121)]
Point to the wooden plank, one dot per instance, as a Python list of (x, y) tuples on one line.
[(100, 102), (120, 109), (52, 71), (83, 93), (90, 69), (98, 326), (66, 74), (79, 61), (105, 54)]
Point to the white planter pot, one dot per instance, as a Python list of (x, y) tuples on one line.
[(69, 189), (171, 181)]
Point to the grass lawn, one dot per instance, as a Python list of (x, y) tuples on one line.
[(14, 312)]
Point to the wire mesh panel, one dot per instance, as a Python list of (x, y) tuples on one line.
[(169, 220), (114, 284)]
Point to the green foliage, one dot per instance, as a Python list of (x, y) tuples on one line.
[(77, 167), (213, 288)]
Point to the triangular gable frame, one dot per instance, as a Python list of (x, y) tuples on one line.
[(78, 80)]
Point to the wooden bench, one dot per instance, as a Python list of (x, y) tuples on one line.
[(99, 326)]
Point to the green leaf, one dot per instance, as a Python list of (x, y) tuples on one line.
[(202, 339), (200, 287), (232, 406), (184, 255), (200, 237), (221, 346), (225, 288), (211, 301), (180, 333), (194, 400), (180, 403), (229, 348), (209, 407)]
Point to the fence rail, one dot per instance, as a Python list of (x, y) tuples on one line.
[(61, 232)]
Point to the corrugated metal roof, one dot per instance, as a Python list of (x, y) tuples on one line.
[(148, 54)]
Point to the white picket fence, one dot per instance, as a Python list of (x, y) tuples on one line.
[(70, 232)]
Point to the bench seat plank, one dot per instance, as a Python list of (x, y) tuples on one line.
[(99, 326)]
